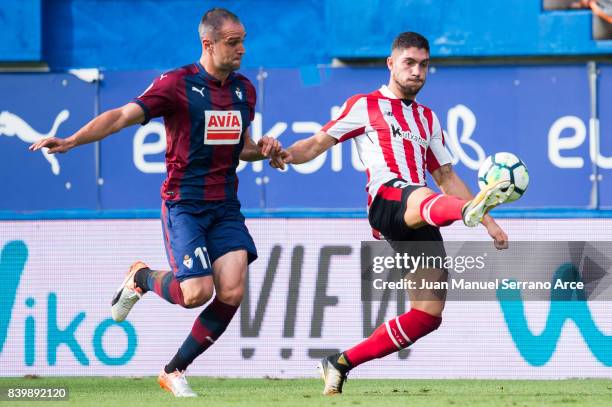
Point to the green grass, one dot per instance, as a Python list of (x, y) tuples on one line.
[(217, 392)]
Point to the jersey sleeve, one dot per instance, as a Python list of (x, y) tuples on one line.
[(352, 120), (436, 155), (159, 98)]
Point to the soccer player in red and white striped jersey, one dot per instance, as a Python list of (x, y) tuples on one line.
[(398, 139)]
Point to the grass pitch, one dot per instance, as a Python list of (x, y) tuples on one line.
[(218, 392)]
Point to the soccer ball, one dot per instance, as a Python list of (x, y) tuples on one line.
[(504, 167)]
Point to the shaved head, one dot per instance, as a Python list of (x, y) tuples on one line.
[(213, 20)]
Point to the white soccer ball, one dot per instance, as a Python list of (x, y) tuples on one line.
[(504, 167)]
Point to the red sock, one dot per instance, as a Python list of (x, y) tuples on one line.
[(392, 336), (441, 210)]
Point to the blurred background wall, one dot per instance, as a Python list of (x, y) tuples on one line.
[(527, 76)]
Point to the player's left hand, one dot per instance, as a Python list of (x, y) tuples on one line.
[(500, 238), (269, 146), (279, 160), (276, 161)]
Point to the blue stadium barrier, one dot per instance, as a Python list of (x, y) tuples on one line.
[(526, 118), (297, 213)]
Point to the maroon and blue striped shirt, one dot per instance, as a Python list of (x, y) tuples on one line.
[(205, 123)]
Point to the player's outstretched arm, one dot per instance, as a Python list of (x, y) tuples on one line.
[(103, 125), (451, 184), (307, 149)]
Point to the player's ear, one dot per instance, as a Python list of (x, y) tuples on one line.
[(390, 62), (207, 45)]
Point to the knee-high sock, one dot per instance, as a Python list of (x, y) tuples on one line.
[(392, 336), (163, 283), (208, 327), (441, 210)]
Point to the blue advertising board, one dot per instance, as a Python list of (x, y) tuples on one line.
[(529, 111), (605, 133), (41, 105), (540, 113), (535, 112)]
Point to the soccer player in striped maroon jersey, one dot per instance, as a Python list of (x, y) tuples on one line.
[(207, 109), (398, 139)]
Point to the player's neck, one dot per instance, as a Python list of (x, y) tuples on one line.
[(218, 74), (397, 91)]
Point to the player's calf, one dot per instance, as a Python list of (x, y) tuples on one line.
[(441, 210), (163, 283), (425, 206), (207, 328), (392, 336)]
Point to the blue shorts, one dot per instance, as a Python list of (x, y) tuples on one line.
[(196, 233)]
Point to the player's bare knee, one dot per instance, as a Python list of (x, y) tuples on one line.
[(196, 296), (417, 196), (231, 296), (192, 300)]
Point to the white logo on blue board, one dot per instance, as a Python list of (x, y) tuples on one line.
[(13, 125)]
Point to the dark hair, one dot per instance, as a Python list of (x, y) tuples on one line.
[(410, 39), (213, 19)]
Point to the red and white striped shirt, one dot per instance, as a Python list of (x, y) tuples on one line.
[(394, 138)]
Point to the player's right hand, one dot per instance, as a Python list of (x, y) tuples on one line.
[(269, 146), (500, 238), (54, 144)]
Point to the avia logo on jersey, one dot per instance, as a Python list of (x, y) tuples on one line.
[(397, 132), (222, 127)]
